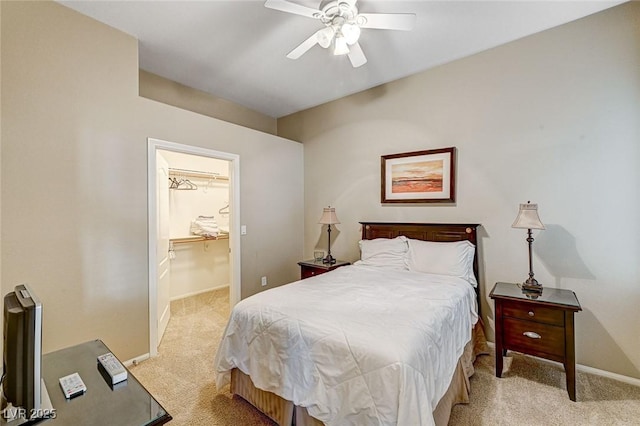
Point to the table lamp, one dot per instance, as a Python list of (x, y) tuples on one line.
[(528, 219), (329, 218)]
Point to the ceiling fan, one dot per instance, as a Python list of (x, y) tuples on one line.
[(342, 25)]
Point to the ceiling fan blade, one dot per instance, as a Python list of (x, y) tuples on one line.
[(356, 55), (304, 46), (289, 7), (387, 21)]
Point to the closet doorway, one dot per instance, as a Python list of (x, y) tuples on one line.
[(194, 226)]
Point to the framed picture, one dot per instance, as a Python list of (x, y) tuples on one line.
[(419, 177)]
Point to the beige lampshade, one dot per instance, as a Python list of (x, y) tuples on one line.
[(528, 217), (328, 216)]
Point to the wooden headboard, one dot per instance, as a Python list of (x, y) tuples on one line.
[(441, 232)]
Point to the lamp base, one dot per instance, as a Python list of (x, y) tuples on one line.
[(329, 259), (531, 285)]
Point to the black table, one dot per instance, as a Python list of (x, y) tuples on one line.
[(126, 403)]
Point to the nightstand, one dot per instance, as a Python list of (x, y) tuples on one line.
[(540, 325), (310, 268)]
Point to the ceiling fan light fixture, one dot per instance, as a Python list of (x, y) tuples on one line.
[(343, 24), (351, 33), (341, 47), (325, 36)]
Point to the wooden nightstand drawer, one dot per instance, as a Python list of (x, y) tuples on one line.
[(531, 312), (311, 268), (534, 338), (309, 272)]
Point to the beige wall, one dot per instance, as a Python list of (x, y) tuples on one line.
[(158, 88), (552, 118), (74, 178)]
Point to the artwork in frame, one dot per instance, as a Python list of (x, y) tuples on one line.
[(419, 177)]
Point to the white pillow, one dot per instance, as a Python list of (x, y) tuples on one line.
[(384, 252), (451, 258)]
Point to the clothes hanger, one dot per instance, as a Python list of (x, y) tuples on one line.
[(182, 184), (190, 185)]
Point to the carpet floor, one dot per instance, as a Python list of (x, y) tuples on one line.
[(530, 392)]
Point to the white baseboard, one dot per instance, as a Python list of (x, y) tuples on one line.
[(608, 374), (195, 293), (586, 369), (136, 360)]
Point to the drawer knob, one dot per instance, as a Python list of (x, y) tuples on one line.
[(531, 313), (532, 335)]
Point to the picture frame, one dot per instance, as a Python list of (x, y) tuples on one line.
[(419, 176)]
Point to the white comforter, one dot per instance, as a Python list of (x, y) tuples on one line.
[(358, 345)]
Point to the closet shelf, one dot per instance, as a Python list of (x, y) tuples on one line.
[(196, 174), (197, 238)]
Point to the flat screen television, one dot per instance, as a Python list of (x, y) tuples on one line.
[(22, 385)]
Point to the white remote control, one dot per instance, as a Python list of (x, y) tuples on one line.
[(72, 385), (113, 367)]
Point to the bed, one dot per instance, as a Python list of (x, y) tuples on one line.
[(387, 340)]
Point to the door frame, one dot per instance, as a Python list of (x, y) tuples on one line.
[(234, 225)]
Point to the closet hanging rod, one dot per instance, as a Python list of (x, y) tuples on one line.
[(196, 174), (197, 238)]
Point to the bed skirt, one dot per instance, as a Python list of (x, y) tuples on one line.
[(285, 413)]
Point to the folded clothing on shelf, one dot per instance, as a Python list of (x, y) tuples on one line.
[(205, 226)]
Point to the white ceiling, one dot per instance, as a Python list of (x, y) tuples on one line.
[(236, 49)]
